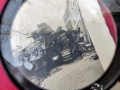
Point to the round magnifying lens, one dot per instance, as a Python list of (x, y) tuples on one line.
[(56, 44)]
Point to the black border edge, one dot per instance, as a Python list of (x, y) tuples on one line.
[(108, 80), (6, 69), (1, 59)]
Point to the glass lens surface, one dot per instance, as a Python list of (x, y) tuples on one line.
[(57, 44)]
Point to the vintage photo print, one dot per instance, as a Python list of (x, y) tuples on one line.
[(57, 44)]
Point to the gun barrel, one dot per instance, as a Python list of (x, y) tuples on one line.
[(29, 37)]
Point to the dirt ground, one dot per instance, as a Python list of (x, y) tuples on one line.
[(75, 75)]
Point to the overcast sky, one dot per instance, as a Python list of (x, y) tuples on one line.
[(34, 12)]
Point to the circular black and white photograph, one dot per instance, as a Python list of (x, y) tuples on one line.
[(57, 44)]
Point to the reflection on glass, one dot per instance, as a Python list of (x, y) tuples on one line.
[(58, 44)]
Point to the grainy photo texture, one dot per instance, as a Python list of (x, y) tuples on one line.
[(51, 44)]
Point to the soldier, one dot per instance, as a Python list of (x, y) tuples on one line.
[(40, 68), (81, 39), (61, 34), (54, 49), (77, 34), (78, 29)]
